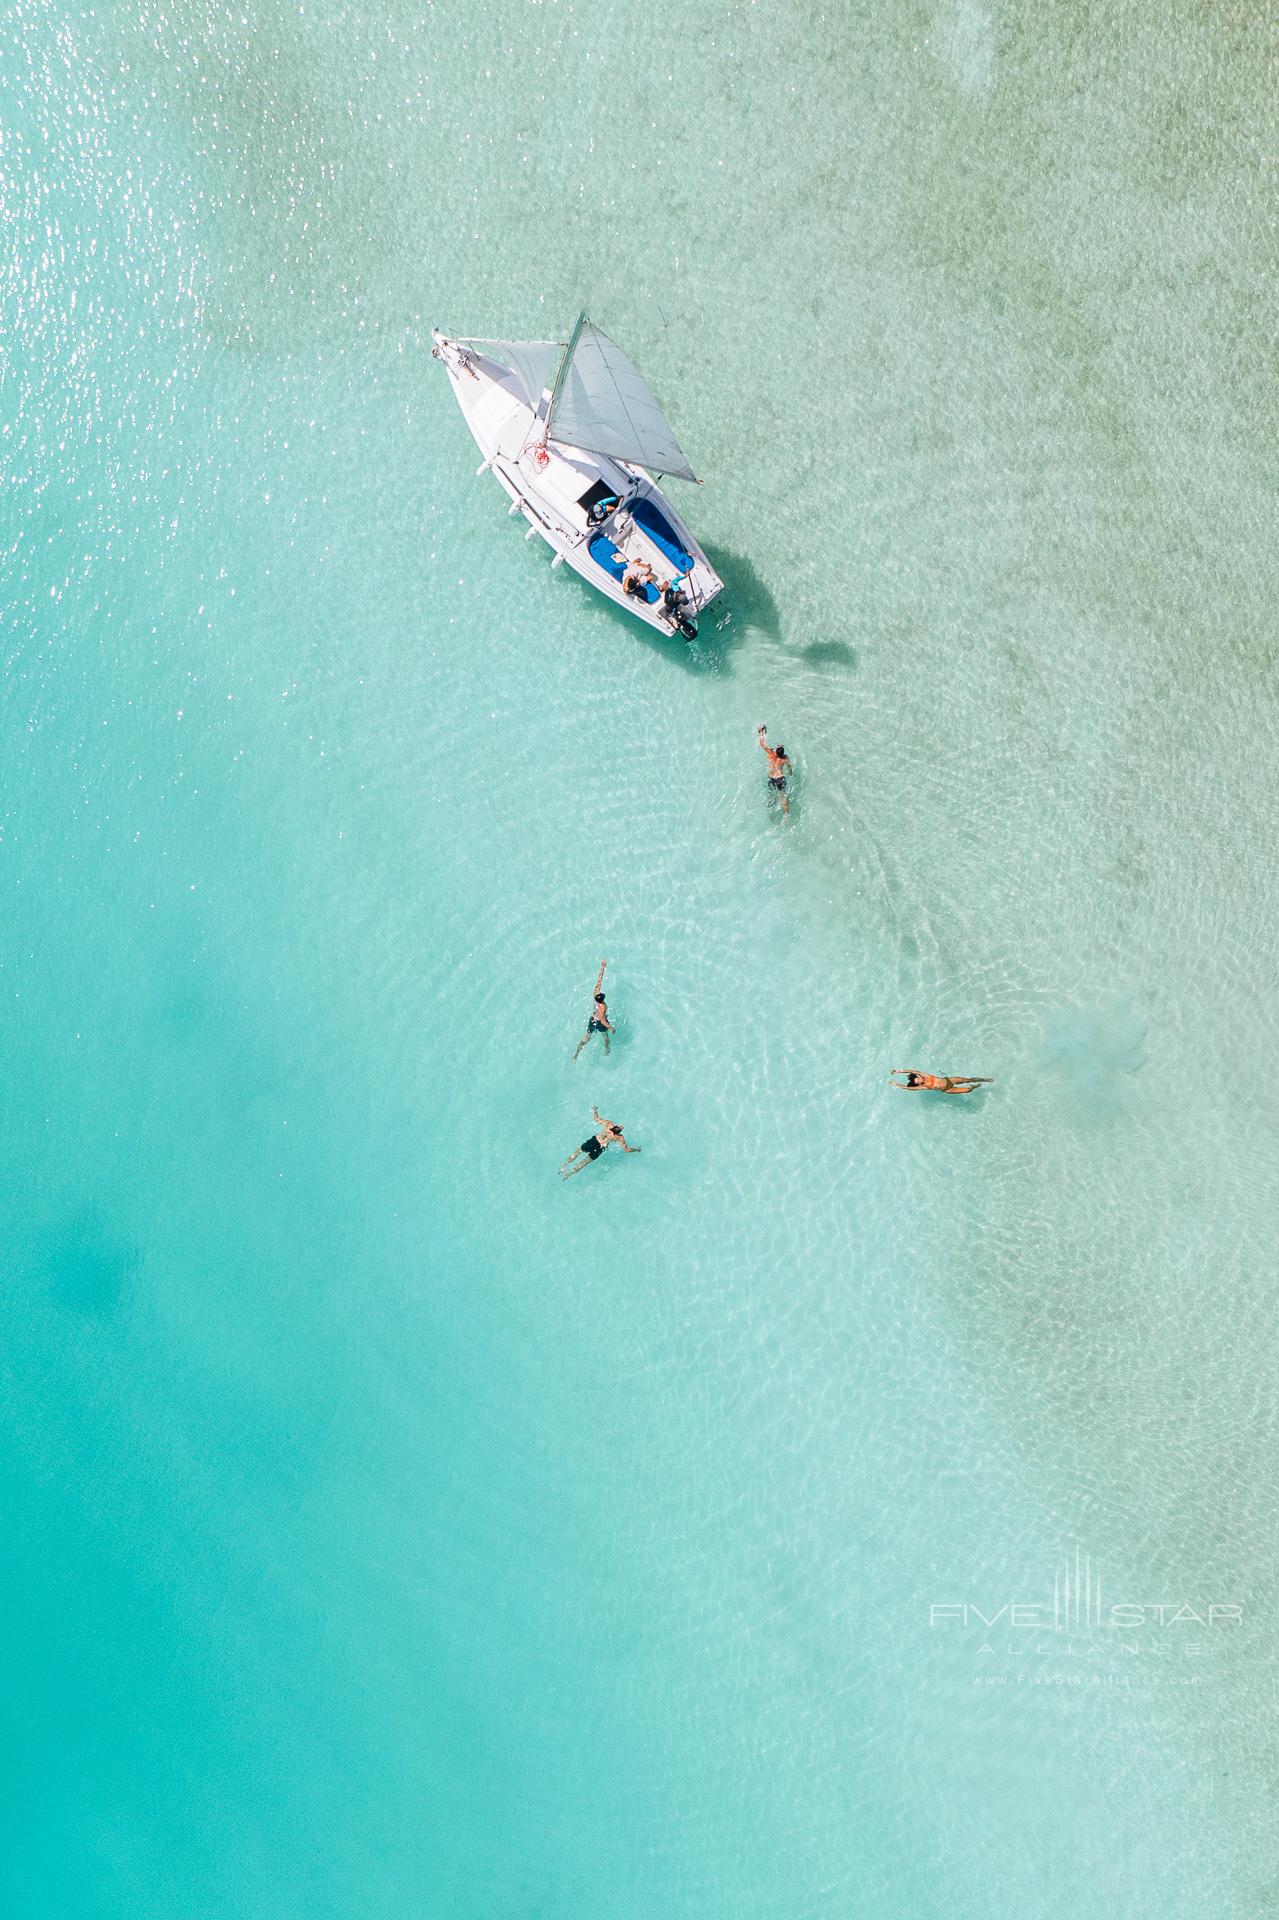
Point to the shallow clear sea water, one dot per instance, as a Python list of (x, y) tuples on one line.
[(389, 1530)]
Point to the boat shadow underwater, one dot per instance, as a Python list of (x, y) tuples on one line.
[(752, 608), (749, 599)]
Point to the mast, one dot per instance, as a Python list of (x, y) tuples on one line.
[(561, 370)]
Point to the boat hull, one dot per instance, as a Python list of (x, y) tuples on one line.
[(552, 488)]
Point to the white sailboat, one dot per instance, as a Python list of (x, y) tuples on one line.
[(572, 432)]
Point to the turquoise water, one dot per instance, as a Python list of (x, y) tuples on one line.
[(389, 1529)]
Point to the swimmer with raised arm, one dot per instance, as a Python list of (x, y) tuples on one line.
[(608, 1135), (599, 1021), (916, 1082), (779, 766)]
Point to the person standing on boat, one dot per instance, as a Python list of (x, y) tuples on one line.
[(916, 1082), (610, 1134), (599, 1021), (778, 767)]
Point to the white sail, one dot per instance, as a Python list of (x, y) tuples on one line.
[(531, 361), (603, 403)]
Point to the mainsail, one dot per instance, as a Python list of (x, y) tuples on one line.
[(531, 361), (604, 404)]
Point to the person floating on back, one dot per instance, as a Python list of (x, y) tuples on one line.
[(599, 1021), (778, 768), (609, 1134), (937, 1082)]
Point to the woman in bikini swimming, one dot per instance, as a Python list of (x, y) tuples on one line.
[(599, 1021), (609, 1135), (916, 1082)]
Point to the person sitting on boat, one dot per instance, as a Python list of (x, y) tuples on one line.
[(601, 510), (599, 1021), (609, 1134), (916, 1082), (638, 577), (779, 766)]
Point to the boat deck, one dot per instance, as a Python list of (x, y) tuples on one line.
[(554, 487), (639, 532)]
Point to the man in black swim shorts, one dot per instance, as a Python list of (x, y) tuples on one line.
[(599, 1021), (609, 1134), (778, 768)]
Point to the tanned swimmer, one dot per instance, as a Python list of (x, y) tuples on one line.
[(916, 1082), (778, 768), (599, 1021), (610, 1134)]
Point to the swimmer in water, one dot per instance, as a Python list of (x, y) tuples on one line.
[(778, 768), (599, 1021), (610, 1134), (916, 1082)]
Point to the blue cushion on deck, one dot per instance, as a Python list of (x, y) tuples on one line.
[(646, 515), (603, 551)]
